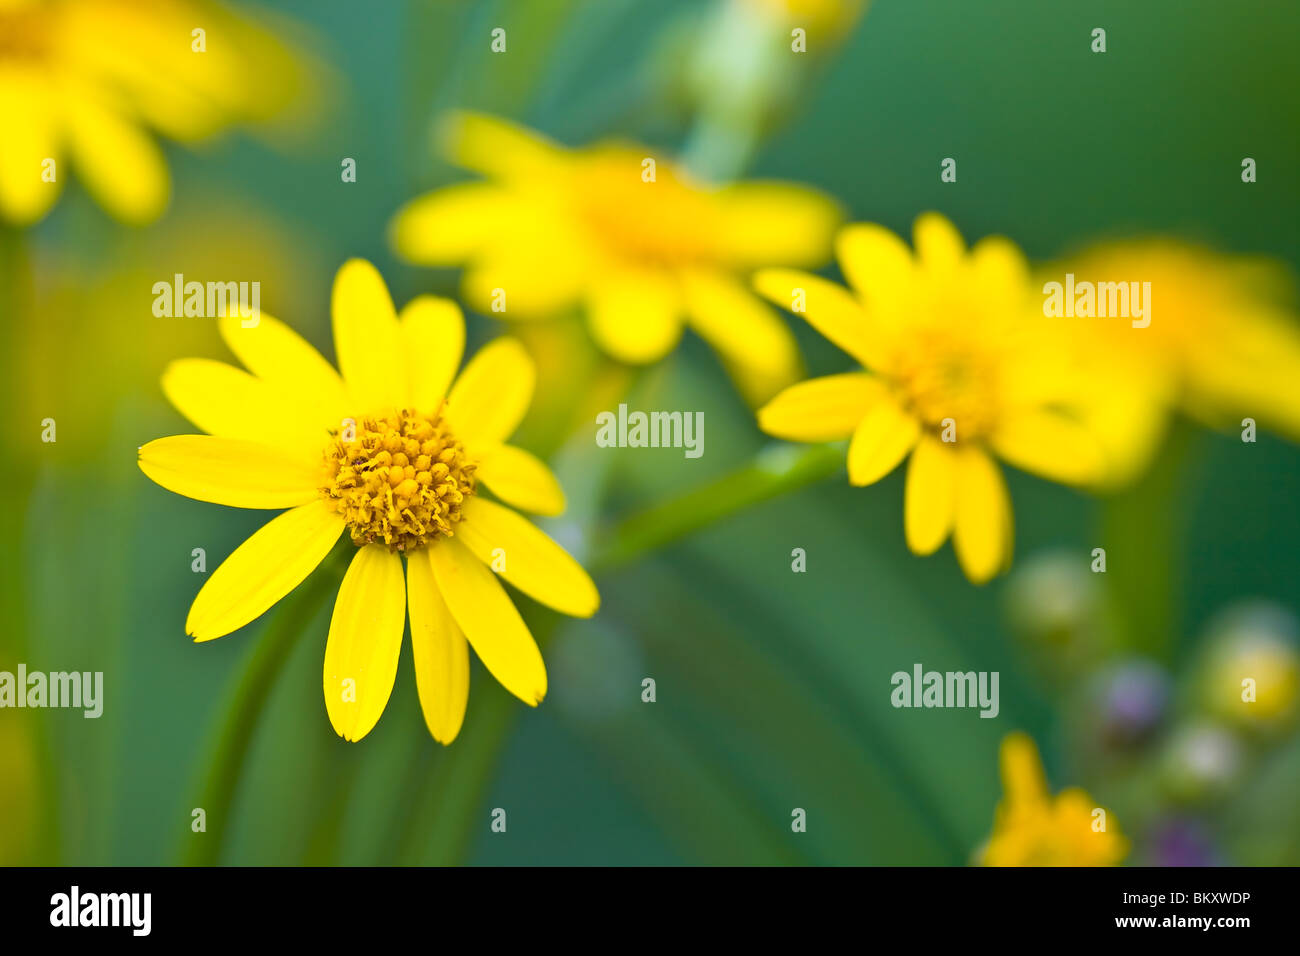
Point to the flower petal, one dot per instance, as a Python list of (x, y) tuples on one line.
[(520, 479), (365, 641), (27, 104), (433, 341), (229, 403), (367, 339), (120, 165), (878, 264), (489, 619), (829, 308), (492, 394), (271, 563), (231, 471), (527, 557), (452, 225), (441, 653), (753, 341), (635, 314), (929, 497), (882, 439), (821, 409), (983, 532), (496, 147), (768, 222), (1050, 445), (277, 354), (939, 245)]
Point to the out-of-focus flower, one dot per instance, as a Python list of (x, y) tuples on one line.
[(1251, 674), (832, 15), (84, 81), (1200, 763), (1219, 346), (1131, 699), (1053, 599), (389, 453), (1033, 828), (20, 803), (1180, 842), (957, 376), (625, 234)]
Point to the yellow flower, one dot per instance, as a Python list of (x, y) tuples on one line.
[(957, 372), (1218, 346), (552, 228), (1033, 828), (80, 80), (837, 15), (392, 455)]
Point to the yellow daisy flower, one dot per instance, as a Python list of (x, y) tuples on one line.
[(629, 236), (81, 80), (1219, 345), (957, 375), (1033, 828), (394, 452)]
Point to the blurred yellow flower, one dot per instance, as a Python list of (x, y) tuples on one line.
[(810, 14), (1033, 828), (1219, 346), (392, 451), (630, 237), (81, 80), (957, 372)]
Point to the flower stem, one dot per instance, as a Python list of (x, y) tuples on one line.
[(777, 470), (225, 766)]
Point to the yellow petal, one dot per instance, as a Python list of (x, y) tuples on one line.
[(271, 563), (878, 265), (452, 225), (775, 223), (496, 147), (752, 340), (231, 471), (526, 557), (983, 531), (829, 308), (489, 619), (520, 479), (433, 341), (635, 314), (492, 394), (939, 245), (29, 109), (526, 277), (441, 653), (120, 165), (229, 403), (882, 439), (277, 354), (367, 339), (821, 409), (1023, 781), (1048, 444), (929, 498), (364, 642)]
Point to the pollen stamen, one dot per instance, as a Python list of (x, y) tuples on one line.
[(401, 480)]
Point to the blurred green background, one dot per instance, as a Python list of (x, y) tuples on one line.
[(773, 687)]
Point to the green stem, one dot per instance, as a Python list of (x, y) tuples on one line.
[(776, 471), (225, 767)]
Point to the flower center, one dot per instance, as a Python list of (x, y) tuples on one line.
[(24, 33), (666, 221), (398, 479), (941, 378)]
